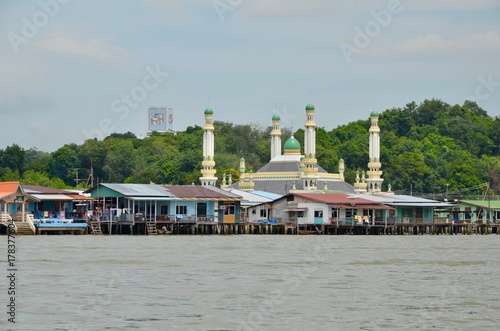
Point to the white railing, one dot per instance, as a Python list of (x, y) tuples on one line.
[(29, 220), (6, 218)]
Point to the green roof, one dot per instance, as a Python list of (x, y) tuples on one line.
[(209, 111), (276, 118), (291, 144), (309, 106), (374, 113)]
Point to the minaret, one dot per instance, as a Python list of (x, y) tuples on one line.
[(310, 163), (276, 137), (208, 163), (310, 133), (242, 167), (374, 180), (341, 169)]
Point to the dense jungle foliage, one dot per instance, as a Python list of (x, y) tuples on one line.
[(428, 147)]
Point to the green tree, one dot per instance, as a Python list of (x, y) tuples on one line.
[(13, 157), (120, 160), (63, 161)]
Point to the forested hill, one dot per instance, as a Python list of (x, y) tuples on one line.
[(423, 146)]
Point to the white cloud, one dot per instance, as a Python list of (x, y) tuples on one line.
[(435, 43), (96, 49)]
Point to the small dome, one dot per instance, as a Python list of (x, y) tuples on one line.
[(341, 160), (309, 106), (374, 113), (291, 144), (276, 117), (209, 111), (242, 159)]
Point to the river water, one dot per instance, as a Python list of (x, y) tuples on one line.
[(255, 283)]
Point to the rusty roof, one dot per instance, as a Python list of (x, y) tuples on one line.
[(37, 189), (339, 199)]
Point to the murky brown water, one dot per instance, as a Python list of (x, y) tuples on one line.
[(255, 283)]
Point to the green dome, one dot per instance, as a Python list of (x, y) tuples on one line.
[(291, 144), (276, 118), (374, 113), (341, 160), (310, 106), (209, 111)]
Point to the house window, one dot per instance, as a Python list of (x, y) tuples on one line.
[(229, 210), (335, 212), (350, 213), (300, 213), (263, 213), (181, 210), (318, 213)]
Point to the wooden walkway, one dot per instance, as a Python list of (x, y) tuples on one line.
[(211, 228)]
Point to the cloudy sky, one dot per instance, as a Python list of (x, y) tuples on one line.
[(73, 70)]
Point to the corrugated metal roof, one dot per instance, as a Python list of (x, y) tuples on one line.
[(200, 192), (404, 200), (52, 197), (423, 204), (272, 196), (33, 189), (49, 193), (249, 198), (150, 192), (335, 198), (146, 190), (394, 198)]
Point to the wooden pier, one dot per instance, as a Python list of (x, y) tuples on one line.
[(211, 228)]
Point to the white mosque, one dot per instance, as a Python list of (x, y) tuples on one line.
[(291, 171)]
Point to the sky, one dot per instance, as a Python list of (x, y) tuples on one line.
[(73, 70)]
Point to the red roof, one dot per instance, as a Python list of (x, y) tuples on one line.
[(8, 188), (341, 200)]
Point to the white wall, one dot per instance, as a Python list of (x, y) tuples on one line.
[(312, 207)]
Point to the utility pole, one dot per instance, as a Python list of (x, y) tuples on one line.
[(77, 180)]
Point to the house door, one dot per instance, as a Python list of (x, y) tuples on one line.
[(418, 215), (201, 211)]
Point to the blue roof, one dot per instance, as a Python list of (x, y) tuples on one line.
[(272, 196)]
